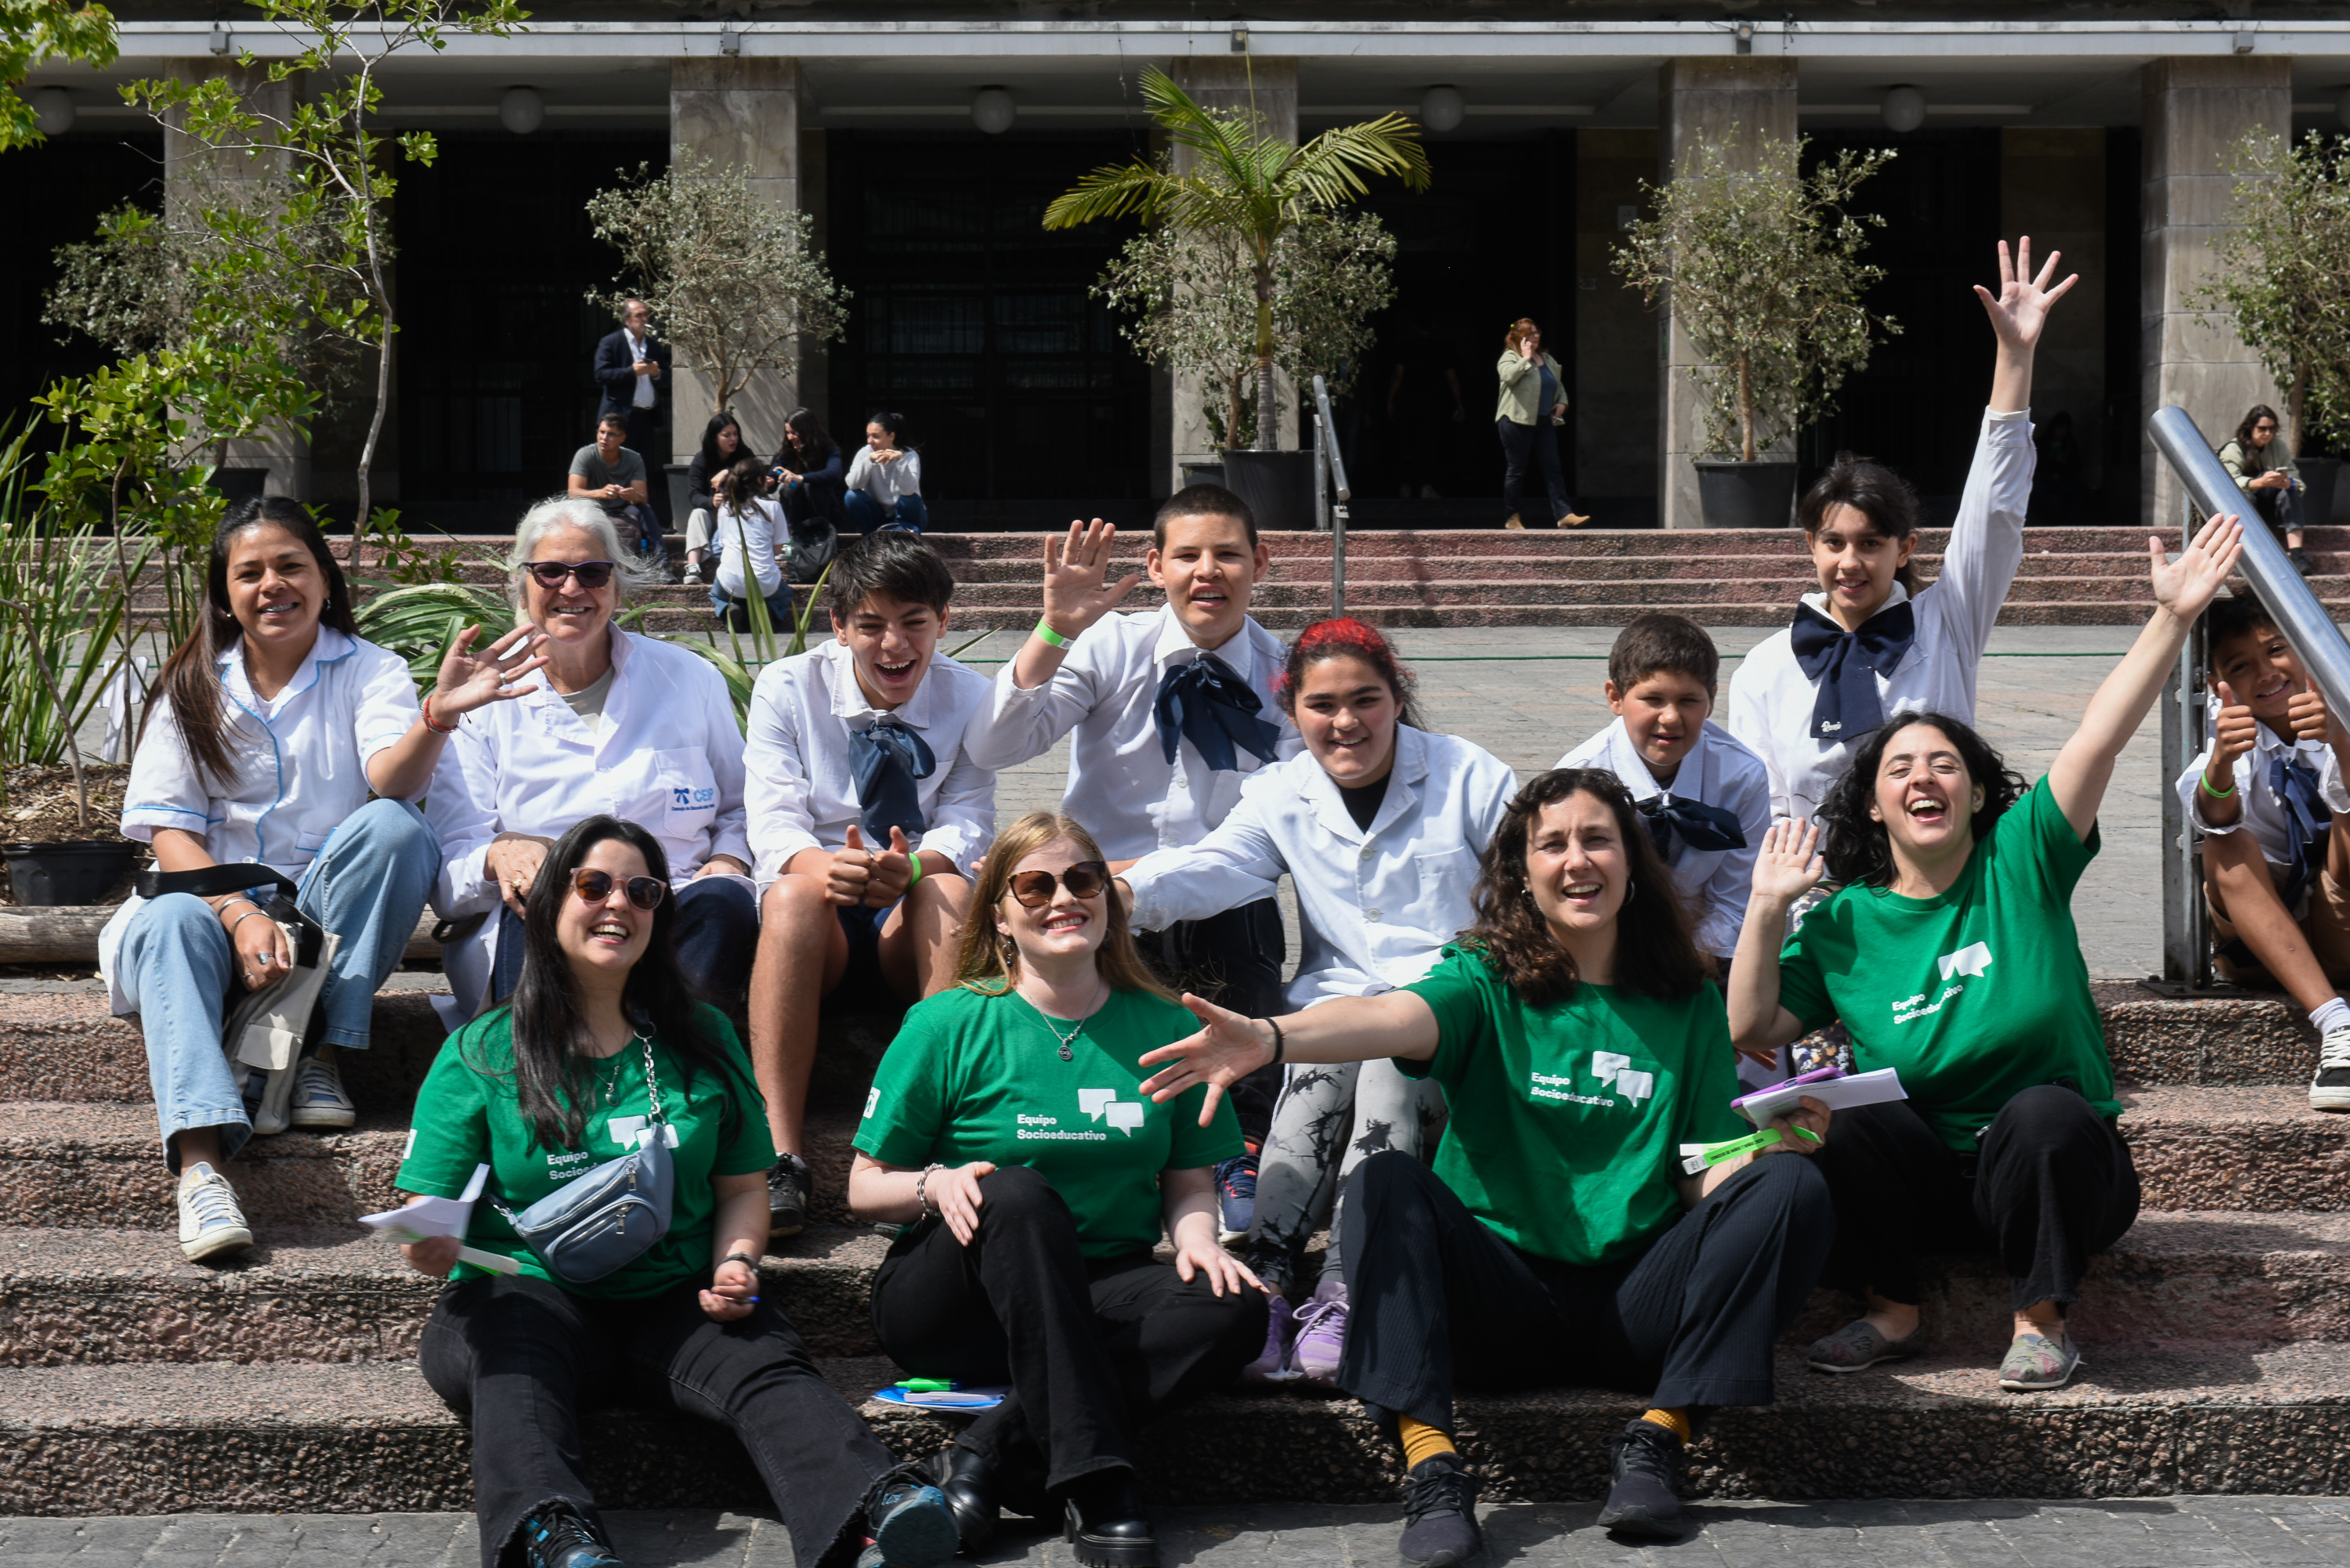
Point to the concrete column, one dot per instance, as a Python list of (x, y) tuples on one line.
[(1736, 103), (2195, 111), (2053, 187), (1616, 406), (1269, 87), (739, 113)]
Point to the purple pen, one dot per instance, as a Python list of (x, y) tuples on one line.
[(1817, 1076)]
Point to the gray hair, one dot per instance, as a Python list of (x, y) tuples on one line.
[(589, 517)]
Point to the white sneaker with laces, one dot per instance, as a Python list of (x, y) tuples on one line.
[(2330, 1089), (693, 574), (318, 1097), (209, 1220)]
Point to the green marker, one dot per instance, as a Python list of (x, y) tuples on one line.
[(929, 1386)]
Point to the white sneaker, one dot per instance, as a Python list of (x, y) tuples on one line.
[(2330, 1089), (318, 1097), (210, 1220), (693, 574)]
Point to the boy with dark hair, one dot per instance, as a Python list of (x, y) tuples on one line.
[(1168, 712), (865, 812), (2263, 794), (1706, 797)]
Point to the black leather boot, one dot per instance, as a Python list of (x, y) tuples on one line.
[(969, 1482), (1104, 1524)]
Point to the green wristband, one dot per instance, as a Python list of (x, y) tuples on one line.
[(1049, 635), (2204, 782), (915, 875)]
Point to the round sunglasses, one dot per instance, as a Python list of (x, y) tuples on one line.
[(592, 575), (594, 887), (1034, 889)]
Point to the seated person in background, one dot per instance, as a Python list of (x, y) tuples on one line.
[(619, 723), (1026, 1258), (750, 529), (1558, 1239), (865, 812), (1949, 951), (1168, 712), (807, 471), (269, 727), (1379, 824), (603, 1049), (722, 447), (2263, 469), (613, 476), (885, 483), (2263, 794)]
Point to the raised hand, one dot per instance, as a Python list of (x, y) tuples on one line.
[(1789, 865), (470, 679), (1075, 569), (2018, 311), (2186, 585), (1221, 1054)]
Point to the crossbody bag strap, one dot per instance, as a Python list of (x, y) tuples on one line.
[(212, 881)]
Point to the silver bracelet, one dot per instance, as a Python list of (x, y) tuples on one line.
[(233, 925), (921, 1197)]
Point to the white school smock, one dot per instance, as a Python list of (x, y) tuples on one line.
[(1104, 697), (802, 795), (1771, 697), (1375, 907), (1714, 884), (668, 757), (749, 537), (2263, 813), (301, 763)]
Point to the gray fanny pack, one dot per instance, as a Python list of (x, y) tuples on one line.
[(603, 1219)]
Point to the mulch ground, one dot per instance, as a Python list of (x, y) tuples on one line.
[(39, 809)]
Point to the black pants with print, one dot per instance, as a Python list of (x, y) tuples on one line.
[(1439, 1299), (521, 1357), (1232, 959), (2052, 1186), (1092, 1348)]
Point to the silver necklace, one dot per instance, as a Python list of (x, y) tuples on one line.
[(1068, 1052)]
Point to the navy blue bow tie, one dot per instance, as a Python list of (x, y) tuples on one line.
[(1693, 822), (1207, 703), (1846, 664), (2308, 820), (887, 758)]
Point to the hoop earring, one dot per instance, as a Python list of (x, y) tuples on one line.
[(1631, 891)]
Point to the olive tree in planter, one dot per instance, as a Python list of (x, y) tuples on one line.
[(1761, 268), (2282, 271)]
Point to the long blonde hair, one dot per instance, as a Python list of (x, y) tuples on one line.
[(988, 962)]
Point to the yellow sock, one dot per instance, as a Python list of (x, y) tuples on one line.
[(1677, 1422), (1422, 1441)]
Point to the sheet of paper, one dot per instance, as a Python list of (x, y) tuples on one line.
[(1837, 1093), (431, 1217)]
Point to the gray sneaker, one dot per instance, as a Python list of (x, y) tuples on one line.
[(1857, 1348), (210, 1220), (319, 1097), (2035, 1364)]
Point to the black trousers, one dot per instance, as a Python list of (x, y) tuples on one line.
[(521, 1357), (1439, 1299), (1092, 1349), (2052, 1186), (1235, 961), (1537, 442)]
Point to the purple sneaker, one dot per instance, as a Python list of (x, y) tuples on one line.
[(1273, 1365), (1322, 1333)]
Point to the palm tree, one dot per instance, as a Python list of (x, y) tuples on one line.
[(1245, 183)]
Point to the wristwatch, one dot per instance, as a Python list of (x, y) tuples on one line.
[(738, 1258)]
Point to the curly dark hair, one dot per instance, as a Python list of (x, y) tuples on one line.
[(1655, 953), (1856, 845)]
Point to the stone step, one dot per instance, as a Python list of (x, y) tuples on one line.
[(370, 1436)]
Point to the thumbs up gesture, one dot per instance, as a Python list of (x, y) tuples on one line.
[(851, 872), (893, 870)]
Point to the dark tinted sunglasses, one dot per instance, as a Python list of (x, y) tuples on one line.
[(592, 575), (594, 887), (1085, 880)]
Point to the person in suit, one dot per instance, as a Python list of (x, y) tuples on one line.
[(633, 371)]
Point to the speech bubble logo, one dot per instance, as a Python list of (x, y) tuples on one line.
[(1093, 1102), (1635, 1086), (1972, 959), (1606, 1065), (1125, 1115)]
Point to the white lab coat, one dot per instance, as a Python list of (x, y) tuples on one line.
[(301, 766), (1375, 907), (1714, 884), (1121, 786), (2263, 815), (802, 793), (1771, 697), (668, 757)]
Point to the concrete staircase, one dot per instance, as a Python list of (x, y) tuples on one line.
[(2218, 1334), (1461, 577)]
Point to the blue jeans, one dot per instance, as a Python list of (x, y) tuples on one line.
[(716, 935), (779, 605), (366, 886), (867, 514)]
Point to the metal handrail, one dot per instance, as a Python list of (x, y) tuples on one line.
[(1330, 468)]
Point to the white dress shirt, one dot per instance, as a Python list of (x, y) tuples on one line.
[(667, 757), (1719, 771), (646, 395), (1375, 907), (301, 763), (1771, 697), (803, 793), (2263, 815), (1105, 694)]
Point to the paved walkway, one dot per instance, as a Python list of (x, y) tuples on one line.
[(2138, 1532)]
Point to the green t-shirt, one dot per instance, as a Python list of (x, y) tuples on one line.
[(1567, 1120), (973, 1077), (466, 1112), (1975, 996)]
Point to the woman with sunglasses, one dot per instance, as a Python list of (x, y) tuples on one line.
[(622, 724), (602, 1049), (1007, 1133)]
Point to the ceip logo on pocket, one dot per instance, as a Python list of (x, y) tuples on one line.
[(684, 798)]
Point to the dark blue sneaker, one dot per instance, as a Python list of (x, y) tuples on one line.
[(558, 1536), (908, 1524), (1236, 1197)]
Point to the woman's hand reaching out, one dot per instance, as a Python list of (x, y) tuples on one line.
[(2186, 585), (1227, 1050)]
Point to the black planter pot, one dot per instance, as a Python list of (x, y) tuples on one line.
[(2321, 477), (1745, 494), (1277, 485), (53, 874)]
